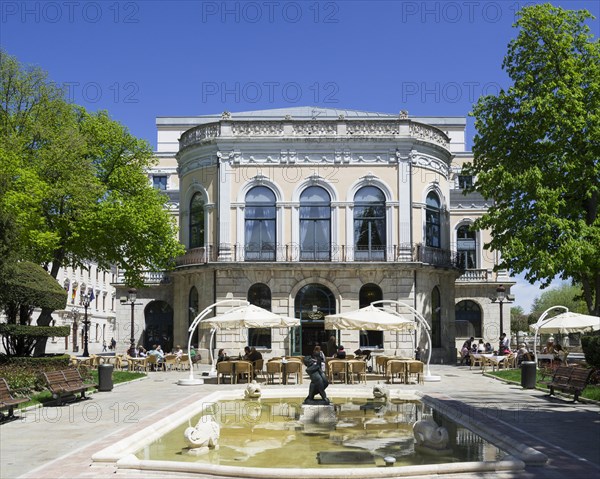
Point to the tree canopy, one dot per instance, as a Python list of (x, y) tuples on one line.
[(74, 183), (537, 152)]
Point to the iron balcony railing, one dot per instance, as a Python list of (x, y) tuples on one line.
[(290, 252)]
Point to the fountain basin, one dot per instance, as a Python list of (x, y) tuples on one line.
[(129, 455)]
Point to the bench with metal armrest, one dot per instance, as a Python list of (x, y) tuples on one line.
[(8, 401), (570, 379), (66, 383)]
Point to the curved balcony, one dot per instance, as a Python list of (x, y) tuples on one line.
[(289, 128)]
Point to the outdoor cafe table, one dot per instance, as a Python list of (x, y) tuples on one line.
[(495, 361)]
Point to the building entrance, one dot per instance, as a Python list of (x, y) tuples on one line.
[(313, 302)]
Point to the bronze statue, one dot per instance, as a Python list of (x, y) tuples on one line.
[(318, 382)]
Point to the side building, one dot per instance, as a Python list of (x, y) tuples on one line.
[(308, 212)]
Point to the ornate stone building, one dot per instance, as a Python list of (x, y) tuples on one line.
[(308, 212)]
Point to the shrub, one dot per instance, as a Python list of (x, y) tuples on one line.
[(25, 373), (591, 349)]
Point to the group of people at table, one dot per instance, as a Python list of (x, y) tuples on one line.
[(141, 353), (472, 351)]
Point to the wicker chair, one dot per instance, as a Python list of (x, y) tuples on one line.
[(336, 367), (294, 368), (396, 368), (358, 368), (243, 370), (273, 368), (224, 368), (415, 368)]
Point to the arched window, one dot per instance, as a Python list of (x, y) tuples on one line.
[(193, 311), (466, 247), (368, 293), (197, 221), (369, 224), (259, 295), (159, 325), (312, 303), (260, 224), (468, 319), (432, 221), (436, 318), (315, 224)]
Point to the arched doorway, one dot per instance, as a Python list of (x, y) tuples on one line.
[(159, 325), (313, 302), (468, 319)]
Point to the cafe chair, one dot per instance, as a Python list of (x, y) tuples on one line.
[(243, 370), (337, 368), (359, 369), (294, 368), (396, 368), (224, 368), (273, 368)]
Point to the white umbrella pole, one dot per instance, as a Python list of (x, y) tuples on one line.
[(540, 322), (191, 381)]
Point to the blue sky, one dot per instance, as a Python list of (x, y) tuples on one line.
[(144, 59)]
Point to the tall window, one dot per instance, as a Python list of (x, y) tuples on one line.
[(466, 246), (436, 318), (465, 181), (468, 319), (159, 182), (259, 295), (315, 224), (369, 224), (367, 294), (260, 224), (197, 221), (432, 221)]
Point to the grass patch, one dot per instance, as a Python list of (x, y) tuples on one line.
[(46, 396), (590, 391)]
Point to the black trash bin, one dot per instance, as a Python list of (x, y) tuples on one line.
[(105, 381), (528, 372)]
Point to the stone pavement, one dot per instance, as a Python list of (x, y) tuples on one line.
[(57, 442)]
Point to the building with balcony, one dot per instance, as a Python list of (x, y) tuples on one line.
[(308, 212)]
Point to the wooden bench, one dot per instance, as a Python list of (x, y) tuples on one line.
[(67, 383), (570, 379), (8, 401)]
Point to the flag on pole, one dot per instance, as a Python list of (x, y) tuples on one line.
[(92, 295), (74, 294)]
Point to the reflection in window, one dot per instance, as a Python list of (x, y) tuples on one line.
[(465, 181), (369, 224), (432, 221), (259, 295), (368, 293), (260, 223), (197, 221), (468, 319), (315, 224), (466, 246), (159, 182)]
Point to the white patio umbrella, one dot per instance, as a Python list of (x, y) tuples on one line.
[(563, 323), (369, 318), (249, 316), (568, 322), (244, 316)]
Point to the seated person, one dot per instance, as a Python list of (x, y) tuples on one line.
[(222, 356), (141, 352), (178, 351), (157, 351), (465, 351), (549, 348), (246, 354), (341, 354), (522, 353), (194, 356), (488, 348), (480, 347), (560, 354), (253, 355)]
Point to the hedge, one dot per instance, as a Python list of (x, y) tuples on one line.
[(591, 350)]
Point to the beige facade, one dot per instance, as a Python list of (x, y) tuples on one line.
[(316, 211)]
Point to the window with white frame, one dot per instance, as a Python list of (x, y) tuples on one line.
[(315, 224), (260, 224)]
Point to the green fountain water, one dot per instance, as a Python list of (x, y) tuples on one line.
[(269, 433)]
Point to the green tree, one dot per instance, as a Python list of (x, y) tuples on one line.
[(536, 152), (76, 186), (519, 321), (564, 295)]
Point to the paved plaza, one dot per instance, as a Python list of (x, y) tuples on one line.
[(58, 442)]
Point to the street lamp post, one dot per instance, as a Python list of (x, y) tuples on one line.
[(500, 297), (132, 296), (85, 302)]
